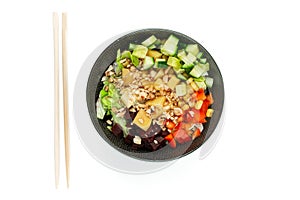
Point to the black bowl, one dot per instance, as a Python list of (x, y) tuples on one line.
[(94, 85)]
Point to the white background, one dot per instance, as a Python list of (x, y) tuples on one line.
[(256, 45)]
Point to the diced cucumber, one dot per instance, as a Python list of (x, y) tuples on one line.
[(161, 63), (205, 67), (199, 55), (152, 46), (149, 41), (181, 90), (186, 66), (174, 62), (126, 54), (200, 79), (148, 62), (203, 60), (192, 48), (185, 60), (140, 51), (188, 70), (209, 81), (181, 54), (191, 58), (188, 59), (178, 70), (135, 61), (170, 46), (199, 69), (157, 42), (181, 77), (201, 84), (132, 46)]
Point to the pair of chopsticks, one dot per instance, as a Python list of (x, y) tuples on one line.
[(65, 96)]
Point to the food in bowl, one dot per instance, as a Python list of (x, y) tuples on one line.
[(156, 94)]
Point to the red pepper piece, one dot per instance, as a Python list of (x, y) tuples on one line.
[(204, 106), (210, 98), (170, 125), (171, 140), (200, 94)]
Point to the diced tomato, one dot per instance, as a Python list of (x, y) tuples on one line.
[(170, 125), (181, 136), (171, 140), (196, 134), (200, 94), (178, 126), (198, 116), (172, 143)]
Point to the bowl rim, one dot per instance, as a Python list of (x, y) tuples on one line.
[(94, 119)]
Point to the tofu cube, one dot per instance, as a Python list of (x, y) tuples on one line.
[(142, 120)]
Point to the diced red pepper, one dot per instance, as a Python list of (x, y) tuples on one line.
[(202, 117), (200, 94), (204, 106), (170, 125), (210, 98), (178, 126), (180, 119), (196, 134), (169, 137), (171, 140), (172, 143)]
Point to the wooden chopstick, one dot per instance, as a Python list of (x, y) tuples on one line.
[(65, 96), (56, 97)]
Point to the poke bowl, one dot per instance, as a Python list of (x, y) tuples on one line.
[(155, 95)]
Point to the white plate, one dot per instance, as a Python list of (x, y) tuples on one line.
[(98, 147)]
